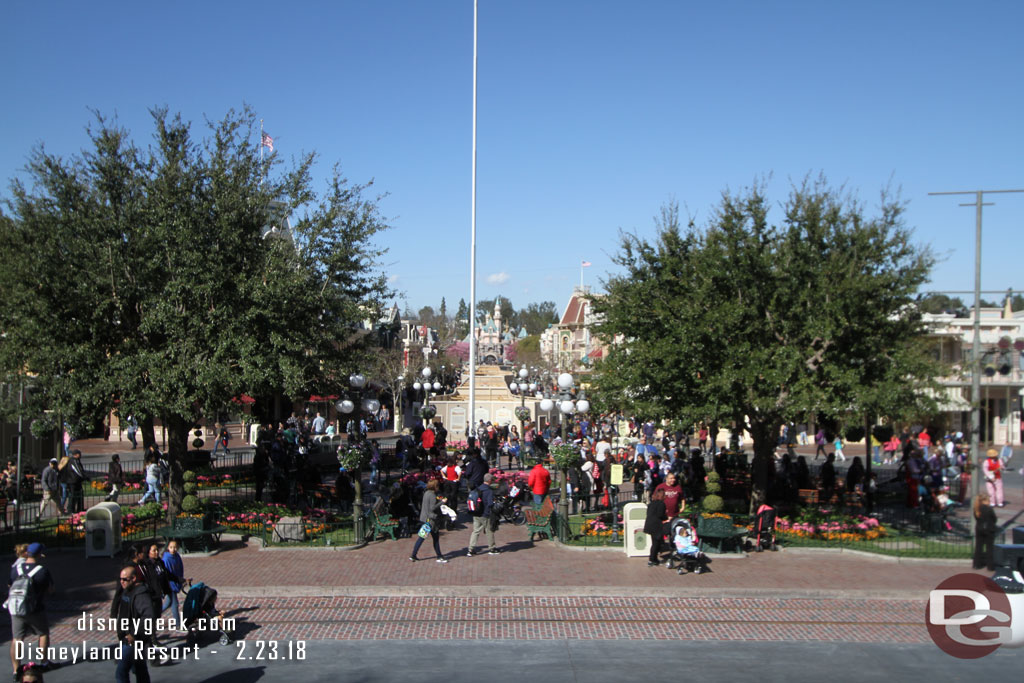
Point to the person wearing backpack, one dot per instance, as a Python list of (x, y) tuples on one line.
[(481, 507), (29, 583)]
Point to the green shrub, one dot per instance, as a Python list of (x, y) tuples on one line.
[(191, 504), (191, 487), (189, 475), (713, 476), (712, 503), (713, 487)]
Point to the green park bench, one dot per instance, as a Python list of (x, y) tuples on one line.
[(719, 533), (198, 529), (538, 520)]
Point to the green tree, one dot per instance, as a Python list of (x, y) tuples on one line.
[(537, 316), (757, 323), (164, 280), (461, 322)]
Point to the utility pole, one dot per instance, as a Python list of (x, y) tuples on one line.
[(975, 458)]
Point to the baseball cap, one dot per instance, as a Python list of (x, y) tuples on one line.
[(36, 549)]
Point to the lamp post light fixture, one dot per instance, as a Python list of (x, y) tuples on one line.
[(347, 406), (567, 406), (522, 412)]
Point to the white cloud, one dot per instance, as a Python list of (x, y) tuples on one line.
[(392, 279), (497, 278)]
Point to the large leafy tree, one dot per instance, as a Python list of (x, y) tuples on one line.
[(161, 280), (751, 322)]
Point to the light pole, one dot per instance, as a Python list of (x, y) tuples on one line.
[(522, 412), (567, 406), (347, 406)]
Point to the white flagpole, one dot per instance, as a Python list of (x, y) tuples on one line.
[(472, 251), (581, 275), (261, 142)]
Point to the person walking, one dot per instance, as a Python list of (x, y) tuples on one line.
[(132, 431), (483, 517), (993, 470), (430, 517), (51, 487), (819, 443), (175, 577), (135, 620), (838, 445), (29, 583), (152, 481), (984, 532), (76, 480), (115, 477), (654, 526), (222, 439)]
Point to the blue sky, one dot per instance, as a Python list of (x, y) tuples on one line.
[(592, 114)]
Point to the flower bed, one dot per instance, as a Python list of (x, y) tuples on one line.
[(828, 527)]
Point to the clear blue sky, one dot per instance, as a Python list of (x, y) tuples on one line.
[(592, 114)]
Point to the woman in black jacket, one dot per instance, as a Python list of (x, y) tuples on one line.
[(654, 525), (984, 532)]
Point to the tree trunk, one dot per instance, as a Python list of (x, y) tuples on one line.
[(148, 432), (177, 451), (763, 436)]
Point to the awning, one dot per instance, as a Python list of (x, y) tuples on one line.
[(596, 353), (950, 399), (322, 399)]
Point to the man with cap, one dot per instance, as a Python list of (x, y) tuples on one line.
[(51, 487), (483, 521), (34, 620)]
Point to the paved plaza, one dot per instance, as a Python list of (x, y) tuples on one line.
[(540, 609)]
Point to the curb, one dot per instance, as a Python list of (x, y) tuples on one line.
[(892, 559), (686, 591)]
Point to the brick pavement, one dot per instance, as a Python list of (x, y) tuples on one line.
[(534, 591)]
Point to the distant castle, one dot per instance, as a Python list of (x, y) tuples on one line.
[(493, 340)]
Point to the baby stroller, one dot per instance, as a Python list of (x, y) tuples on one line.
[(763, 533), (686, 555), (200, 610)]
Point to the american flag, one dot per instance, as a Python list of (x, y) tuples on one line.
[(585, 264), (268, 142)]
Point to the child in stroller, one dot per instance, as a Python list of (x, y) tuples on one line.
[(200, 609), (686, 555)]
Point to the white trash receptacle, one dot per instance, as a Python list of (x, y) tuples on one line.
[(633, 517), (103, 530)]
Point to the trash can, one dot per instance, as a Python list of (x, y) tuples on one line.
[(103, 530), (637, 543)]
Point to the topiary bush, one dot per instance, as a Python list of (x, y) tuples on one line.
[(191, 504), (712, 503), (190, 488), (189, 476)]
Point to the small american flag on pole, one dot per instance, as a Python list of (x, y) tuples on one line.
[(585, 264), (268, 142)]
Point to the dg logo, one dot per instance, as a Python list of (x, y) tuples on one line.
[(970, 616)]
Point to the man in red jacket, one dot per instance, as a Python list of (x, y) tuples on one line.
[(539, 482)]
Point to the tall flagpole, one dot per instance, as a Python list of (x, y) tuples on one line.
[(261, 142), (472, 251)]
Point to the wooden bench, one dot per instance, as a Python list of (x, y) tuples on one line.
[(383, 525), (719, 533), (193, 528), (538, 520)]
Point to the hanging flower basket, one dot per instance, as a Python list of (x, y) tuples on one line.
[(428, 412), (522, 413)]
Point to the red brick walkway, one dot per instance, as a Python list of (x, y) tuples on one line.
[(533, 591)]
